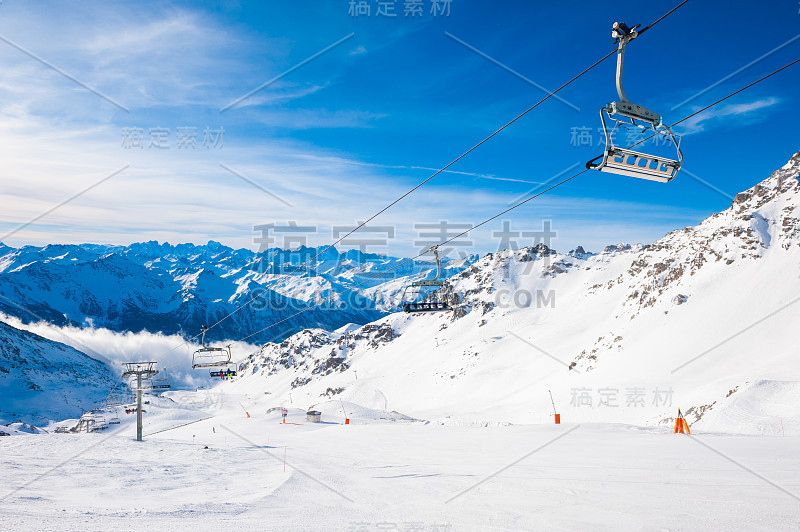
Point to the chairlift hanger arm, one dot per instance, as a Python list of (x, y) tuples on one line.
[(438, 264), (435, 250), (622, 35), (203, 330)]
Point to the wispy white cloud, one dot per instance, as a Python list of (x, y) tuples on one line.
[(355, 162), (316, 118), (175, 68), (185, 196), (745, 112), (282, 92), (113, 348), (147, 59), (135, 60)]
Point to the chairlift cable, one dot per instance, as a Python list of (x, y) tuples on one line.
[(512, 207), (707, 107), (417, 256), (737, 92), (441, 170), (444, 168), (585, 170), (662, 17)]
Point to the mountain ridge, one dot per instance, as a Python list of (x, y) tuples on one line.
[(175, 289), (701, 313)]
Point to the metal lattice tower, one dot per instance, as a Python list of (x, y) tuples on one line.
[(140, 370)]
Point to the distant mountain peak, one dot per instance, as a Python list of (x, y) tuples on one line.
[(783, 182), (169, 288)]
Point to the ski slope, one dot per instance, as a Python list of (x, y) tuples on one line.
[(230, 471)]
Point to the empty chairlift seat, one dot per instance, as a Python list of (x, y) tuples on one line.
[(624, 117), (210, 357)]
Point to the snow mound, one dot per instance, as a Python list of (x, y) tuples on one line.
[(765, 407)]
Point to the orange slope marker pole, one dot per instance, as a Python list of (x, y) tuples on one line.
[(556, 416), (346, 419), (680, 424)]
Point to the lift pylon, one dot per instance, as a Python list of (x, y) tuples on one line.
[(140, 370)]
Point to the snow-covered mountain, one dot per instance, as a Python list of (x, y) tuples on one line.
[(44, 380), (176, 289), (704, 320)]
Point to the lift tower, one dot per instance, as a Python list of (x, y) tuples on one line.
[(140, 370)]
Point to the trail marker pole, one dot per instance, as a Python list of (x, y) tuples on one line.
[(556, 415), (344, 412)]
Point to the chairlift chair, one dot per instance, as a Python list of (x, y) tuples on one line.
[(161, 383), (228, 373), (147, 384), (100, 423), (115, 399), (86, 423), (210, 357), (426, 296), (624, 114)]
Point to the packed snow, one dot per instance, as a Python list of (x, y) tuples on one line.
[(220, 468)]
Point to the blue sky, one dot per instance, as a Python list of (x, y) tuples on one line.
[(338, 138)]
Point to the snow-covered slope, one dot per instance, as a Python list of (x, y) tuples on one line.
[(206, 465), (704, 319), (43, 380), (176, 289)]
